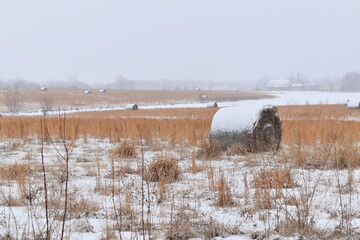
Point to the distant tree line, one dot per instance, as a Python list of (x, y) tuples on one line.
[(351, 82)]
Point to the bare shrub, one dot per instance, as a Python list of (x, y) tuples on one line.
[(209, 150), (13, 101), (163, 168), (125, 149), (46, 105)]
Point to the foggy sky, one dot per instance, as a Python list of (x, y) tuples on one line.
[(178, 39)]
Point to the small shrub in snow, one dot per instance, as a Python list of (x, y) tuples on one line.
[(125, 149), (279, 178), (163, 168), (209, 150)]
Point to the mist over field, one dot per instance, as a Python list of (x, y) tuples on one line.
[(177, 44)]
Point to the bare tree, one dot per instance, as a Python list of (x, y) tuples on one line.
[(13, 101), (46, 104)]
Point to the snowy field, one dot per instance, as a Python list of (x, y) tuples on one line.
[(100, 189)]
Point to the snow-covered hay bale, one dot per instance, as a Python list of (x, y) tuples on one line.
[(87, 91), (212, 105), (43, 89), (131, 107), (257, 129), (102, 90), (353, 104)]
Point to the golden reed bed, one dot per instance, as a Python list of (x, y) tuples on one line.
[(310, 124)]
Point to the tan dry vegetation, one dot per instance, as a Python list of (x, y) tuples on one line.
[(76, 97), (317, 112), (190, 113), (279, 178), (172, 130), (163, 168), (312, 123), (125, 149), (319, 123)]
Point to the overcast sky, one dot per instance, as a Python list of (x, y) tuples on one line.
[(178, 39)]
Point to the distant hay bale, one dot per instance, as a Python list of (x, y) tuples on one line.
[(212, 105), (43, 89), (131, 107), (257, 129), (102, 90), (87, 91), (202, 97), (353, 104)]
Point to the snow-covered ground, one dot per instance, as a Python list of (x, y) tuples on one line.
[(317, 201), (281, 98)]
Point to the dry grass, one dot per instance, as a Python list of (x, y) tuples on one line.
[(163, 168), (18, 172), (317, 112), (189, 113), (172, 130), (319, 123), (313, 123), (267, 179), (125, 149), (76, 97), (209, 150), (224, 197)]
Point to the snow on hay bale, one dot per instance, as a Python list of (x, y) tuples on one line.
[(131, 107), (43, 89), (102, 90), (212, 105), (87, 91), (258, 129), (353, 104)]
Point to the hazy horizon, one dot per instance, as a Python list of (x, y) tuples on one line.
[(178, 40)]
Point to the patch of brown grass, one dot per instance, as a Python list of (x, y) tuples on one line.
[(224, 197), (267, 179), (163, 168), (125, 149), (209, 150), (16, 171)]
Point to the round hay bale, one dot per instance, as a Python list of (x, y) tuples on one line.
[(102, 90), (256, 129), (43, 89), (353, 104), (212, 105), (203, 96), (87, 91), (131, 107)]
